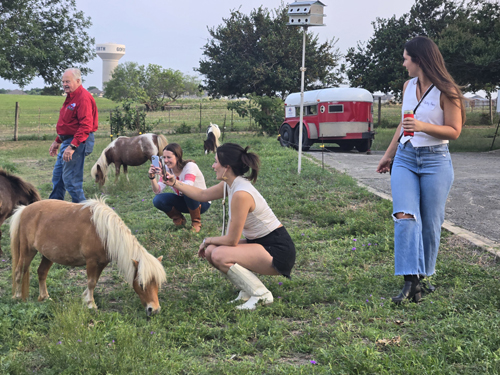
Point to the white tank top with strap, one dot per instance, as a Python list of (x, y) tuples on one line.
[(261, 221), (428, 111)]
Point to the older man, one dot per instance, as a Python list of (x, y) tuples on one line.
[(78, 120)]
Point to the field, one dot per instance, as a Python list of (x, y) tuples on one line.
[(334, 317), (38, 117)]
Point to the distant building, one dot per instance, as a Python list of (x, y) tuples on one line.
[(17, 92), (385, 98), (477, 101), (96, 92)]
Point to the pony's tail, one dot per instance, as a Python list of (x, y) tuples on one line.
[(162, 143), (15, 250)]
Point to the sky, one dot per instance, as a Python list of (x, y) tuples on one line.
[(173, 33)]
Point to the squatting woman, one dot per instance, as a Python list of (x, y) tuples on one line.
[(174, 203), (267, 247)]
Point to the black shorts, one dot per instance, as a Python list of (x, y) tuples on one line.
[(279, 244)]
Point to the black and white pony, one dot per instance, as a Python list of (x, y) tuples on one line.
[(212, 141)]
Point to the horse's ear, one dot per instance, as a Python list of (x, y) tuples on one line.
[(136, 263), (160, 258)]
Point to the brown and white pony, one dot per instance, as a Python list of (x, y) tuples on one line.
[(14, 191), (127, 151), (77, 234), (212, 141)]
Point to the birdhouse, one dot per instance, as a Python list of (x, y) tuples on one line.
[(306, 13)]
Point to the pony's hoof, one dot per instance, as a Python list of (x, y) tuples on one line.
[(46, 298)]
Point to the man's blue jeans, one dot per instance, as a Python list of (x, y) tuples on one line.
[(68, 175), (165, 202), (420, 181)]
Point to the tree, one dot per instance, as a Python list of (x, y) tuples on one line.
[(259, 53), (151, 85), (467, 34), (42, 38)]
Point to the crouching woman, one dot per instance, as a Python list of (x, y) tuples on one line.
[(174, 204), (266, 249)]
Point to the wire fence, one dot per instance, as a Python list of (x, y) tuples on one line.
[(40, 122)]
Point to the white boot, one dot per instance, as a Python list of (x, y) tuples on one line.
[(251, 285), (242, 296)]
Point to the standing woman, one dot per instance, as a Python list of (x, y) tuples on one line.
[(422, 172), (267, 248), (175, 203)]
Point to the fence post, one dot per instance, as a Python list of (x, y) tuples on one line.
[(232, 124), (379, 109), (16, 123), (224, 127), (491, 110), (200, 116), (250, 113), (39, 122), (110, 124)]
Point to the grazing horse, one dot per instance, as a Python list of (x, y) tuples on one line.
[(14, 191), (77, 234), (127, 151), (212, 141)]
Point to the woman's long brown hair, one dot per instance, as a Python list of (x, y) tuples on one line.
[(424, 52)]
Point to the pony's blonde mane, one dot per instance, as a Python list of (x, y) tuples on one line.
[(122, 246), (162, 143), (102, 161)]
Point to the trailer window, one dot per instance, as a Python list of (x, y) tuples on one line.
[(312, 110), (336, 108)]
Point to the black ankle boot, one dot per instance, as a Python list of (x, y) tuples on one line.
[(426, 285), (411, 290)]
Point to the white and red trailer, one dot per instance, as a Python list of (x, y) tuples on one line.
[(336, 115)]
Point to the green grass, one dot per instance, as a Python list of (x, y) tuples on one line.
[(335, 311), (470, 140), (38, 116)]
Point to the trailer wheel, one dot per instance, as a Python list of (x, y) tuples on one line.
[(306, 142), (364, 145), (346, 145), (286, 136)]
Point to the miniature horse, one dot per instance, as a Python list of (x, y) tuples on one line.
[(77, 234), (14, 191), (212, 141), (127, 151)]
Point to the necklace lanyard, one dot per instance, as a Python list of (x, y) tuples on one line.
[(423, 97), (224, 209)]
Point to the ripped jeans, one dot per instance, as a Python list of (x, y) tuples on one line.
[(421, 180)]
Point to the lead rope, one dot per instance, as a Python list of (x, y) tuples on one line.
[(223, 210)]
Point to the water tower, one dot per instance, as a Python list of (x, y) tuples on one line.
[(110, 53)]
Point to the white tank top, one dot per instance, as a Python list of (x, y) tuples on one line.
[(262, 220), (428, 111)]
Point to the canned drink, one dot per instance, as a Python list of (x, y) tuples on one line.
[(405, 115)]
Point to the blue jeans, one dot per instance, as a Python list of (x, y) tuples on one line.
[(68, 175), (165, 201), (421, 180), (89, 144)]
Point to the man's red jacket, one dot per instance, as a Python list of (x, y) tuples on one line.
[(78, 116)]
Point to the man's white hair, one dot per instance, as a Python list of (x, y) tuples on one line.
[(77, 74)]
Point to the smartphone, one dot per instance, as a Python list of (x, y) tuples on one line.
[(155, 160)]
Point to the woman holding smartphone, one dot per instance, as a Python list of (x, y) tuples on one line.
[(267, 247), (422, 173), (174, 203)]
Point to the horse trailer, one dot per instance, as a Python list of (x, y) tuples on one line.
[(336, 115)]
